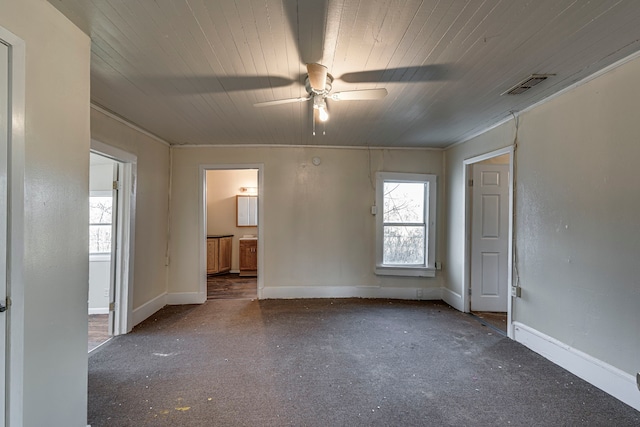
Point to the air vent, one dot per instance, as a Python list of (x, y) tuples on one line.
[(527, 84)]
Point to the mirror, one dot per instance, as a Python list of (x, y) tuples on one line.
[(247, 211)]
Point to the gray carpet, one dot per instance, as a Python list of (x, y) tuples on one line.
[(344, 362)]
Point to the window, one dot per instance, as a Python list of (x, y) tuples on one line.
[(405, 224), (100, 214)]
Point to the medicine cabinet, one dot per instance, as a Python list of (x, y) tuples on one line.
[(247, 211)]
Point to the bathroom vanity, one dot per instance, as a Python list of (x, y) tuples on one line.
[(248, 256), (219, 253)]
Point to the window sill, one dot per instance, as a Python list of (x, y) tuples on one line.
[(99, 257), (405, 271)]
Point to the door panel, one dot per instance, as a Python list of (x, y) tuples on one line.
[(490, 272), (489, 238), (115, 218), (4, 132), (490, 216)]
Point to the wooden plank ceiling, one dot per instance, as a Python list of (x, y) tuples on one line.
[(190, 71)]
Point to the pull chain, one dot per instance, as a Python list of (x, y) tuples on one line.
[(313, 121)]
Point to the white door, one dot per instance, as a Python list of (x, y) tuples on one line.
[(489, 238), (113, 266), (4, 129)]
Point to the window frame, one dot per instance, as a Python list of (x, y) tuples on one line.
[(428, 268), (96, 256)]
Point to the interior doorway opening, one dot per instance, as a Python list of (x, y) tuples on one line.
[(103, 219), (5, 129), (231, 231), (111, 230), (488, 231)]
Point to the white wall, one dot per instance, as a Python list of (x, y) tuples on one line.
[(577, 227), (319, 233), (150, 279), (101, 175), (222, 188), (99, 275), (56, 189)]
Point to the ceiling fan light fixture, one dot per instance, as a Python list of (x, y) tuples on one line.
[(323, 114), (320, 104), (318, 84)]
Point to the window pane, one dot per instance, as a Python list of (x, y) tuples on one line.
[(403, 245), (403, 202), (100, 210), (99, 239)]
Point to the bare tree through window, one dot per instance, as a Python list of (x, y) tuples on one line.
[(404, 223), (100, 217)]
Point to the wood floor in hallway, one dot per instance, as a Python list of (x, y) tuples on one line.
[(232, 286), (98, 330)]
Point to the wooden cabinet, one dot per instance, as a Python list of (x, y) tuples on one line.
[(224, 260), (213, 257), (248, 257), (218, 254)]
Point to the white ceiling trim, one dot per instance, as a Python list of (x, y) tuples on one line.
[(126, 122), (324, 147)]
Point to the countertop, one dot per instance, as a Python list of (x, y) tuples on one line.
[(218, 236)]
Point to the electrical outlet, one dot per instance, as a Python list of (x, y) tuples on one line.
[(419, 293), (106, 292), (516, 291)]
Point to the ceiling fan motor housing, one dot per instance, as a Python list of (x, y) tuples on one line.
[(317, 78), (316, 91)]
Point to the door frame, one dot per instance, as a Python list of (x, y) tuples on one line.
[(202, 237), (468, 210), (125, 238), (14, 381)]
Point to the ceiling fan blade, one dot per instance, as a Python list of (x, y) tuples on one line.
[(359, 95), (280, 102), (200, 84), (307, 20), (238, 83), (422, 73), (317, 76)]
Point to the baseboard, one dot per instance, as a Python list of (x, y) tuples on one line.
[(453, 299), (609, 379), (103, 310), (180, 298), (147, 309), (289, 292)]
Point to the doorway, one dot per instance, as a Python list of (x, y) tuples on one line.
[(103, 220), (12, 143), (488, 259), (111, 230), (231, 237), (4, 210)]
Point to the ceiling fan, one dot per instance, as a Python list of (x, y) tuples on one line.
[(318, 84), (313, 22)]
